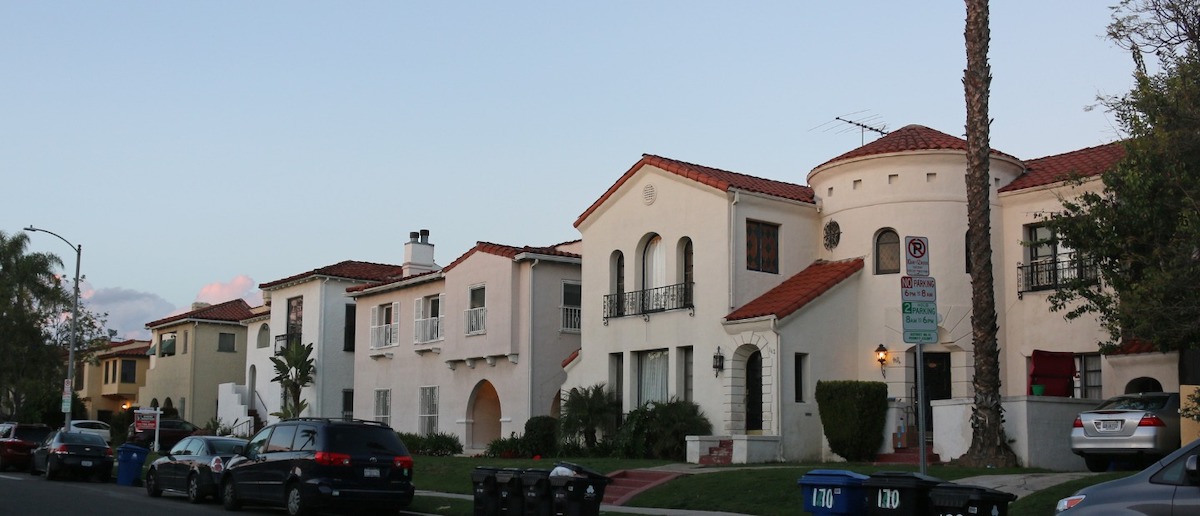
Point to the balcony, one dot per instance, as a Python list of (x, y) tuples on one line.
[(427, 330), (1050, 274), (476, 321), (648, 301), (571, 319), (385, 335)]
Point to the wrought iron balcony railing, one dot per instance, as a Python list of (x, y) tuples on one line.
[(1052, 274), (643, 302)]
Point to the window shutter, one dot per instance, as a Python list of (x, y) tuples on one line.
[(395, 322), (441, 303), (418, 306)]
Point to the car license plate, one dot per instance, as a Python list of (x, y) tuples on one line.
[(86, 463), (1110, 426), (371, 472)]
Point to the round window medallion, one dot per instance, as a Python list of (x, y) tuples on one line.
[(649, 194), (833, 235)]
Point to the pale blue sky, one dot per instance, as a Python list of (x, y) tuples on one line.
[(219, 145)]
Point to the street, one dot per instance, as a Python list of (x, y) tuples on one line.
[(22, 494)]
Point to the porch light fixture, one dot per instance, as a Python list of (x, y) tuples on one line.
[(881, 353), (718, 362)]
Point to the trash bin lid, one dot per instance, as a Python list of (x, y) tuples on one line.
[(949, 494), (901, 479), (832, 477), (508, 474)]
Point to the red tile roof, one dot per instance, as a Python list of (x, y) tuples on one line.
[(1087, 162), (722, 180), (348, 269), (506, 251), (798, 290), (126, 349), (909, 138), (1134, 347), (232, 311), (571, 358)]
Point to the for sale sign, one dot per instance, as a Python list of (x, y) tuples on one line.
[(145, 420)]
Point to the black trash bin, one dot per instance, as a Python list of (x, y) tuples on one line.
[(512, 497), (951, 498), (891, 493), (539, 497), (487, 493), (578, 495), (833, 491)]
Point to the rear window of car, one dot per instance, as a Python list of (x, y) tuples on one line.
[(1135, 403), (361, 440), (82, 438), (32, 433), (222, 447)]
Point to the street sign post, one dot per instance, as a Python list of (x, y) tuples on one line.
[(916, 256)]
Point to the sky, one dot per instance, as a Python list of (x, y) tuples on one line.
[(198, 149)]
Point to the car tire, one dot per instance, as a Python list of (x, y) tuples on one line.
[(50, 473), (193, 489), (152, 487), (1096, 464), (295, 501), (229, 498)]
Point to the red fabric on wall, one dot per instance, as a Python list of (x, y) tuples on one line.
[(1053, 369)]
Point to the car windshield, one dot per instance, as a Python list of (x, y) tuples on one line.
[(223, 447), (356, 440), (1134, 403), (35, 434), (81, 438)]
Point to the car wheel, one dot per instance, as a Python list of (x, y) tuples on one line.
[(229, 496), (50, 473), (152, 487), (193, 489), (295, 502), (1096, 464)]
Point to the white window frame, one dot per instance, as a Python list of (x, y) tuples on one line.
[(476, 313), (383, 406), (385, 331), (428, 325), (652, 376), (427, 406), (571, 320)]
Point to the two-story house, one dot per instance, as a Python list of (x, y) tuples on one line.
[(306, 308), (110, 383), (475, 348), (191, 354), (783, 285)]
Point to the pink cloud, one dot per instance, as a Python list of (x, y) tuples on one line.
[(241, 286)]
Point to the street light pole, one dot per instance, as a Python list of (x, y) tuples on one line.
[(74, 327)]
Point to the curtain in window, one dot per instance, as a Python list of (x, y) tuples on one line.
[(652, 372), (887, 253)]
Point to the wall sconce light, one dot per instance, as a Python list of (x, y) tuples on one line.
[(718, 362), (125, 406), (881, 353)]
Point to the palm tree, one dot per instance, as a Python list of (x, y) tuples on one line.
[(989, 447), (588, 410), (294, 370)]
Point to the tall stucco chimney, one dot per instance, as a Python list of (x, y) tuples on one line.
[(418, 254)]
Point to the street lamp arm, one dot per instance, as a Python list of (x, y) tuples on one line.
[(32, 229)]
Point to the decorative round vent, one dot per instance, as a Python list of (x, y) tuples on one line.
[(649, 194), (833, 235)]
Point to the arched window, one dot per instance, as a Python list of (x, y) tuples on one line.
[(686, 263), (617, 275), (887, 252), (654, 264), (264, 336)]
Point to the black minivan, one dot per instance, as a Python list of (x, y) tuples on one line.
[(307, 464)]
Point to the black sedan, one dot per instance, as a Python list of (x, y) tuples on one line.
[(72, 452), (193, 467), (1170, 486)]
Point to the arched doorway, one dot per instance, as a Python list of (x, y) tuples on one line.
[(251, 384), (754, 393), (483, 414)]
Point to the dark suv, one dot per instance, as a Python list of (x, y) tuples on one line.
[(309, 463)]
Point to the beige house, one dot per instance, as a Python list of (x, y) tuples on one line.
[(473, 349), (191, 354), (111, 383), (741, 293)]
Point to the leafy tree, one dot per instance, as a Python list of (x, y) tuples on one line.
[(32, 369), (294, 370), (989, 446), (588, 411), (1142, 229)]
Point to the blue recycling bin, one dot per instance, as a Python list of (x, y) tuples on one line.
[(833, 491), (130, 458)]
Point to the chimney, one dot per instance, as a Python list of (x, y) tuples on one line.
[(418, 254), (199, 304)]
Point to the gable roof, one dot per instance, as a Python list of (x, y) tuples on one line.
[(1088, 162), (722, 180), (349, 269), (799, 290), (910, 138), (231, 311), (506, 251)]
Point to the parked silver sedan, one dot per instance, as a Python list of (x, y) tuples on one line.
[(1139, 427)]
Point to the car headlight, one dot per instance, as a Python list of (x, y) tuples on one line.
[(1068, 502)]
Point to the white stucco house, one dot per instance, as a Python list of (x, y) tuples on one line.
[(306, 308), (741, 293), (473, 349)]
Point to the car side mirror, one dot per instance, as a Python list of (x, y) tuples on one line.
[(1192, 469)]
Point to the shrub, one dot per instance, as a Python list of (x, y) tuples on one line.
[(435, 444), (659, 430), (541, 436), (588, 413), (853, 414), (505, 447)]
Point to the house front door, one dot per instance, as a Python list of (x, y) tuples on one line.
[(754, 392), (937, 383)]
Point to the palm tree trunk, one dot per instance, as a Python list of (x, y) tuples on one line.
[(989, 446)]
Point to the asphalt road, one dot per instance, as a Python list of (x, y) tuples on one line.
[(22, 494)]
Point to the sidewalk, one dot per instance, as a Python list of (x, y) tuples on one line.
[(603, 508)]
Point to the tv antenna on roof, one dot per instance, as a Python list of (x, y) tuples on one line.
[(863, 124)]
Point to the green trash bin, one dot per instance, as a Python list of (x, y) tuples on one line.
[(833, 491), (898, 493), (950, 499), (487, 493)]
